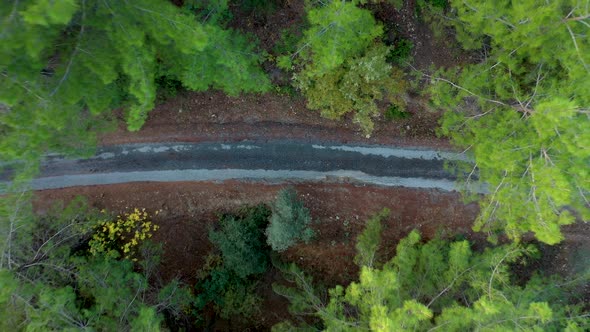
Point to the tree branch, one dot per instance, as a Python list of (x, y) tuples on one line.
[(74, 52)]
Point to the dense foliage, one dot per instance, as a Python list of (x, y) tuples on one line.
[(343, 68), (241, 240), (50, 280), (439, 284), (64, 65), (229, 282), (289, 222), (522, 111), (122, 237)]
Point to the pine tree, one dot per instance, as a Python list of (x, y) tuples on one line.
[(343, 69), (50, 281), (523, 112), (440, 284), (368, 241), (240, 239), (289, 222), (64, 65)]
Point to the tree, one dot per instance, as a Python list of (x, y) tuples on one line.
[(50, 280), (64, 65), (522, 111), (339, 30), (368, 241), (343, 69), (229, 283), (353, 87), (240, 239), (289, 221), (440, 284)]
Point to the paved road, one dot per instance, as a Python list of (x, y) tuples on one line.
[(270, 161)]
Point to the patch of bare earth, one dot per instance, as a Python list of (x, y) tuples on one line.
[(214, 116)]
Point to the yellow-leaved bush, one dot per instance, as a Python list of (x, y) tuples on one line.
[(123, 235)]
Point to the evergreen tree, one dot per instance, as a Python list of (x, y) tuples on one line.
[(229, 283), (240, 239), (338, 31), (440, 284), (64, 65), (49, 280), (523, 112), (289, 221), (343, 70), (368, 241)]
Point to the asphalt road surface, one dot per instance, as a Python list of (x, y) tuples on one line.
[(277, 161)]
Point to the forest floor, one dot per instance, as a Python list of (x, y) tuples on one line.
[(339, 211)]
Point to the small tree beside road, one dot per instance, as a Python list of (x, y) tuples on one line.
[(289, 222)]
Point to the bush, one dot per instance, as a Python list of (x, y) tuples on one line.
[(123, 235), (289, 222), (401, 51), (241, 241), (167, 88), (394, 112)]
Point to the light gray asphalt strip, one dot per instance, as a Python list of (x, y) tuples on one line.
[(64, 181)]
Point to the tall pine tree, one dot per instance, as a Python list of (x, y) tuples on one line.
[(437, 285), (523, 112), (343, 67), (65, 64)]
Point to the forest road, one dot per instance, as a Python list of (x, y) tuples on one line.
[(274, 161)]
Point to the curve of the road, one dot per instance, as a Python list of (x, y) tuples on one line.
[(276, 161)]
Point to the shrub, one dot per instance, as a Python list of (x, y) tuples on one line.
[(394, 112), (168, 88), (241, 241), (289, 222), (123, 235), (401, 51)]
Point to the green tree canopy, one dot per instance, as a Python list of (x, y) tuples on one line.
[(241, 240), (65, 64), (523, 112), (343, 68), (289, 222), (439, 284), (338, 31), (229, 282), (353, 87), (50, 281)]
